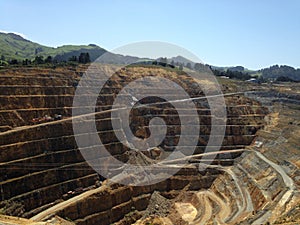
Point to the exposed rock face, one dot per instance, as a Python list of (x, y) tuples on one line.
[(111, 203), (9, 220), (40, 163), (259, 188)]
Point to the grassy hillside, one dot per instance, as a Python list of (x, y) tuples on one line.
[(13, 46)]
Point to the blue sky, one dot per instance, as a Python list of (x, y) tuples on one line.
[(255, 34)]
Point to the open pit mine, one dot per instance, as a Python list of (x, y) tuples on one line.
[(44, 179)]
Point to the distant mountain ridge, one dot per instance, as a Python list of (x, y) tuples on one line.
[(14, 46), (181, 59)]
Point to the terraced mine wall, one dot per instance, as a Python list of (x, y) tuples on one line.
[(113, 203), (40, 163)]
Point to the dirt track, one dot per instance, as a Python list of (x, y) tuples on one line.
[(51, 211)]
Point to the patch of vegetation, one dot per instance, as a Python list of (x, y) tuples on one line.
[(285, 79), (232, 74), (40, 61), (15, 48), (276, 72)]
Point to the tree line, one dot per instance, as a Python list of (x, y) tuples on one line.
[(84, 57), (281, 73), (232, 73)]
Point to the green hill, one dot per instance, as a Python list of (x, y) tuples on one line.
[(13, 46)]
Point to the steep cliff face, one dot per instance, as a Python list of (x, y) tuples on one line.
[(41, 165), (112, 202)]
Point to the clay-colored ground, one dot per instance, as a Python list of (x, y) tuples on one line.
[(40, 163)]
